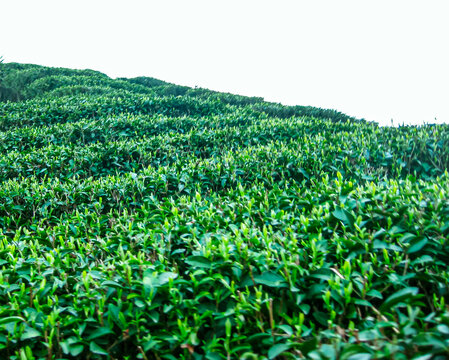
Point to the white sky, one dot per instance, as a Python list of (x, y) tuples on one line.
[(380, 60)]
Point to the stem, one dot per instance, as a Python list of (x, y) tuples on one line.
[(142, 352), (270, 309)]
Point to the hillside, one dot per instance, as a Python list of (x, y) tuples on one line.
[(142, 219)]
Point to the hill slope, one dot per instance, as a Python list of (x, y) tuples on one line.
[(144, 219)]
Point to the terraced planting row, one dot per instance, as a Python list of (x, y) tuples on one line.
[(213, 226)]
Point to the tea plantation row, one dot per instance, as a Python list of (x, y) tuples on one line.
[(140, 219)]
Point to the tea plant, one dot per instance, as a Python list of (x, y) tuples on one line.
[(139, 219)]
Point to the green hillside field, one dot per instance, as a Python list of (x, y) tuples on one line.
[(144, 220)]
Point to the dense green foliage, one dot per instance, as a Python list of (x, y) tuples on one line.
[(140, 219)]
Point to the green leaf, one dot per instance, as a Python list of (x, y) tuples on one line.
[(422, 260), (407, 238), (355, 352), (444, 329), (323, 274), (277, 349), (344, 216), (422, 357), (30, 333), (400, 296), (308, 346), (360, 356), (270, 279), (321, 317), (64, 346), (417, 245), (111, 283), (396, 230), (304, 172), (76, 349), (199, 262), (287, 329), (430, 339), (305, 308), (97, 349), (213, 356), (153, 280), (375, 293), (362, 302), (165, 277), (11, 319), (74, 229), (99, 333)]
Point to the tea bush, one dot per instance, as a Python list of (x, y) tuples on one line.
[(142, 220)]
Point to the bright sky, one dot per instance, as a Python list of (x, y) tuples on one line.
[(378, 60)]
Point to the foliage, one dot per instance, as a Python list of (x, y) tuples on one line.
[(139, 219), (6, 93)]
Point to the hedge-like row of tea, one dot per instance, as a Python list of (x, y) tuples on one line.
[(145, 220)]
